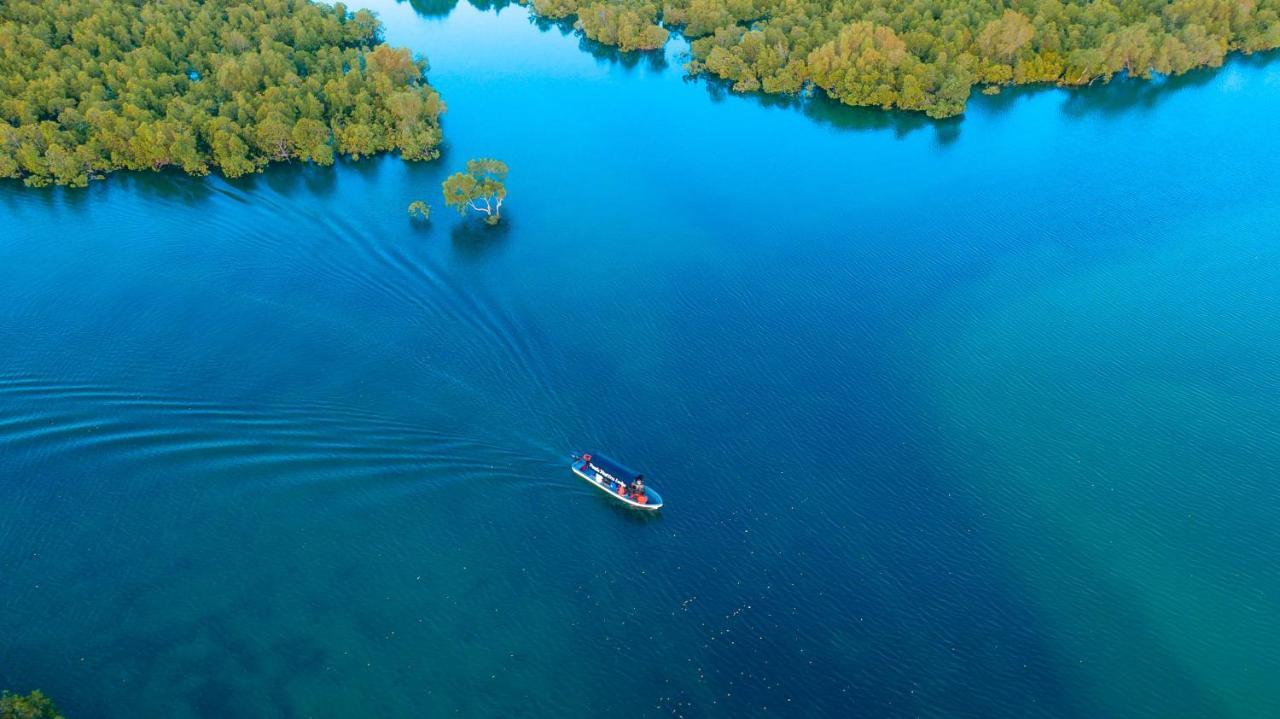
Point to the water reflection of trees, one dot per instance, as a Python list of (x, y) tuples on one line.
[(441, 8), (1122, 94), (474, 240), (821, 109), (655, 60)]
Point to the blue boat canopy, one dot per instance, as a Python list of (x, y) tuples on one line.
[(612, 469)]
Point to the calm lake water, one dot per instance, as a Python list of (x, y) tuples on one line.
[(977, 418)]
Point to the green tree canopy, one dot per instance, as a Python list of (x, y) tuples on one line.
[(927, 55), (420, 210), (30, 706), (480, 188), (91, 86)]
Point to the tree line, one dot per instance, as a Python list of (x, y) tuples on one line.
[(27, 706), (928, 55), (92, 86)]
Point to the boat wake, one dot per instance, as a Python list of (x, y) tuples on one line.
[(359, 455)]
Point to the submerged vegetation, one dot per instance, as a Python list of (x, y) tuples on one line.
[(480, 188), (91, 86), (927, 55), (27, 706)]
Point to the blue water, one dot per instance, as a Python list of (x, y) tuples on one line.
[(974, 418)]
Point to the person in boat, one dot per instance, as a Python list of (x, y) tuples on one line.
[(637, 485), (587, 468)]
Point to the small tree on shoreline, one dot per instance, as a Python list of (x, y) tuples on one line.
[(480, 188)]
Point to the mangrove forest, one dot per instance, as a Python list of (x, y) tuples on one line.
[(928, 55), (92, 86)]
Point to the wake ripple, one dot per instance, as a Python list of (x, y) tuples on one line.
[(269, 448)]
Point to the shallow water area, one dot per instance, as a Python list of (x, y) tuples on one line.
[(973, 418)]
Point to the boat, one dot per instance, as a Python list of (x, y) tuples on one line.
[(616, 480)]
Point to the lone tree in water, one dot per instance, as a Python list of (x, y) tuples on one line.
[(420, 210), (480, 188)]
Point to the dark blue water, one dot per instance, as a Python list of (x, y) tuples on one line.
[(975, 418)]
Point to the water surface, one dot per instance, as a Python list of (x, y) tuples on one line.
[(975, 418)]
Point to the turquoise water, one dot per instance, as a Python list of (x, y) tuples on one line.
[(975, 418)]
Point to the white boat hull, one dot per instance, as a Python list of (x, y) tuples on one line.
[(609, 487)]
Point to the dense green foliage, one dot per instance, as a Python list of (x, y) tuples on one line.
[(480, 188), (927, 55), (29, 706), (629, 26), (90, 86)]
